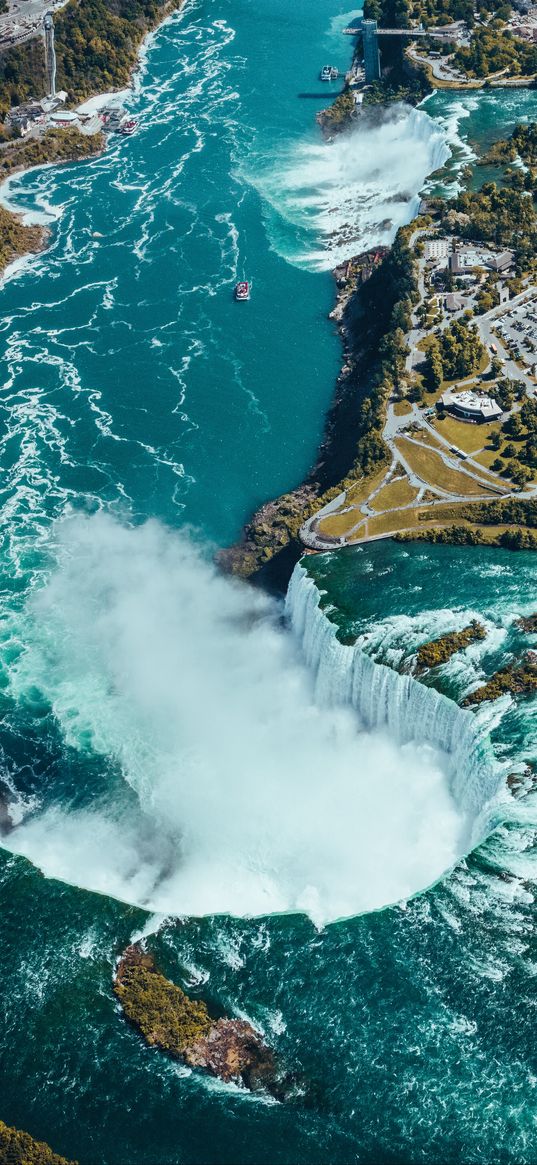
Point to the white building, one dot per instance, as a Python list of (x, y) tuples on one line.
[(471, 406)]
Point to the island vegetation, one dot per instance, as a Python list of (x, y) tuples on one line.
[(438, 651), (182, 1027), (517, 679), (492, 49), (18, 1148)]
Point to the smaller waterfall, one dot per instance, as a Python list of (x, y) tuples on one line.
[(407, 709), (328, 200)]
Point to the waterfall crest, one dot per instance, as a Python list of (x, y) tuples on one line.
[(406, 708), (328, 200)]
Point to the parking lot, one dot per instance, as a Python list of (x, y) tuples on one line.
[(517, 328)]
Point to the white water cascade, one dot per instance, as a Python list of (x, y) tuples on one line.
[(328, 200), (218, 772), (407, 708)]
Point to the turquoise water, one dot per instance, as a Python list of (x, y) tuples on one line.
[(134, 385)]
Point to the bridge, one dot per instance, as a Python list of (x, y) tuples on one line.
[(440, 34)]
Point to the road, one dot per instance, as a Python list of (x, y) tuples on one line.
[(24, 19)]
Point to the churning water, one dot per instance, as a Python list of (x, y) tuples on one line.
[(164, 739), (328, 200), (184, 680)]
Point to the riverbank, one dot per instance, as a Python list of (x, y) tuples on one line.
[(84, 74), (270, 545)]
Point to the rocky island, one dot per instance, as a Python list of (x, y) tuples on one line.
[(439, 651), (517, 679), (182, 1027)]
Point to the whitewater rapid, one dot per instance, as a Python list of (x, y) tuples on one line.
[(236, 777)]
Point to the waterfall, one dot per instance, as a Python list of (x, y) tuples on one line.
[(328, 200), (406, 708)]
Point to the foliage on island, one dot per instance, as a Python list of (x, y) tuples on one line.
[(169, 1020), (161, 1011), (438, 12), (504, 216), (518, 679), (338, 115), (438, 651), (18, 1148), (493, 48)]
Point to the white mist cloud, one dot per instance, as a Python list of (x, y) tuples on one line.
[(254, 798)]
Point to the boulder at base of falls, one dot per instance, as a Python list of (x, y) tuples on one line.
[(168, 1019)]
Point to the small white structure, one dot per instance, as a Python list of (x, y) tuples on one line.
[(471, 406), (63, 117)]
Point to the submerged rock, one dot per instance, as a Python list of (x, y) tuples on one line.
[(527, 623), (168, 1019), (521, 783)]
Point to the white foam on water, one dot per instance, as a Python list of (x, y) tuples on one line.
[(258, 789), (328, 200)]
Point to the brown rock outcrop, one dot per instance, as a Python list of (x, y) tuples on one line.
[(168, 1019)]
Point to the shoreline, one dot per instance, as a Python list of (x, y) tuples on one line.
[(31, 239), (283, 528), (276, 524)]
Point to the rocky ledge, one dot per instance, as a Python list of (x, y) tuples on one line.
[(527, 623), (169, 1020), (519, 678), (438, 651)]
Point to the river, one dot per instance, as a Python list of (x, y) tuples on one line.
[(177, 764)]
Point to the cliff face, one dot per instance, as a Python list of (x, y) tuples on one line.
[(270, 545), (167, 1019)]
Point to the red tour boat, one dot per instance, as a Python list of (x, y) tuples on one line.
[(128, 126), (242, 290)]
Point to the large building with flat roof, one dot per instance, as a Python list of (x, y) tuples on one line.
[(471, 406)]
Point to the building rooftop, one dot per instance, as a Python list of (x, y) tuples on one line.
[(473, 404)]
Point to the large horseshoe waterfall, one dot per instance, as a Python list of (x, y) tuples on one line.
[(408, 709)]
